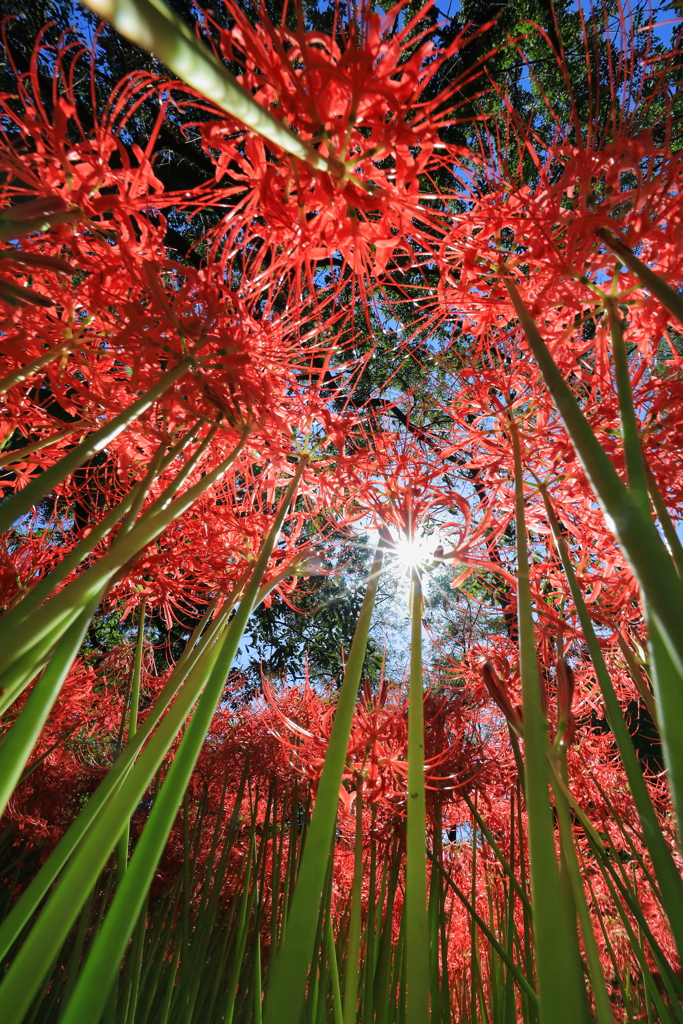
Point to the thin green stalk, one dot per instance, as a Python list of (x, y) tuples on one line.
[(664, 1017), (603, 1007), (637, 856), (497, 851), (26, 668), (172, 975), (434, 917), (170, 491), (245, 906), (521, 980), (192, 968), (367, 1015), (607, 866), (159, 955), (473, 930), (49, 356), (331, 952), (124, 841), (605, 937), (560, 987), (258, 982), (401, 1001), (137, 672), (397, 971), (19, 503), (21, 454), (415, 907), (52, 926), (34, 637), (630, 432), (641, 683), (387, 949), (318, 1008), (446, 990), (664, 293), (638, 538), (134, 965), (40, 885), (154, 27), (49, 583), (351, 973), (60, 610), (287, 982), (510, 1013), (527, 932), (662, 512), (77, 950)]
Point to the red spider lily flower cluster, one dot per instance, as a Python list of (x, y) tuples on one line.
[(360, 96), (377, 752), (97, 311)]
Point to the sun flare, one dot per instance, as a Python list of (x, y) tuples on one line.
[(415, 552)]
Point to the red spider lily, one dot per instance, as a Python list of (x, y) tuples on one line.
[(377, 751), (259, 358), (357, 94), (612, 175), (210, 550), (59, 161)]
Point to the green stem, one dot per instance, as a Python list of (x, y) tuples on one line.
[(672, 538), (49, 583), (60, 610), (604, 859), (21, 738), (49, 356), (521, 980), (417, 925), (337, 1015), (603, 1007), (351, 972), (122, 854), (507, 868), (633, 451), (30, 899), (20, 454), (667, 873), (638, 678), (137, 671), (663, 292)]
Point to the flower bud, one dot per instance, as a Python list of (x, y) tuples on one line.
[(498, 694)]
